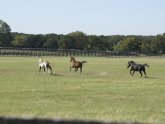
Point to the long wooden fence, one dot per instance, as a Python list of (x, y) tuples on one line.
[(66, 52)]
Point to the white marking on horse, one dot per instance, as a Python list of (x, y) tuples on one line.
[(45, 65)]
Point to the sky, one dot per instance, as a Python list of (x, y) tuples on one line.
[(93, 17)]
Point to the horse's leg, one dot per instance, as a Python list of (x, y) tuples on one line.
[(39, 69), (130, 72), (76, 69), (140, 73), (80, 69), (49, 69), (144, 72), (51, 72), (71, 67), (133, 72), (44, 70)]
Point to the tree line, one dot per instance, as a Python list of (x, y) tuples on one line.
[(81, 41)]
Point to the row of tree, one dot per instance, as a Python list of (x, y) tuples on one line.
[(81, 41)]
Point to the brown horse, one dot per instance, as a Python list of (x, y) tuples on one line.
[(76, 64)]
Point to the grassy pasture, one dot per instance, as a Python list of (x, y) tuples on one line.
[(104, 91)]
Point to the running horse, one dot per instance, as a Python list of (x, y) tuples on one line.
[(137, 67), (76, 64), (45, 65)]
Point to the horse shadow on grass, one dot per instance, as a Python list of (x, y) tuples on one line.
[(57, 75), (148, 77)]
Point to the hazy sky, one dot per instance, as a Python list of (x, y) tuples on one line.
[(98, 17)]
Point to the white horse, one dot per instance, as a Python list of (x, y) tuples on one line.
[(45, 65)]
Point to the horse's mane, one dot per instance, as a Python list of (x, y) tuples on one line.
[(146, 65), (73, 59), (133, 62)]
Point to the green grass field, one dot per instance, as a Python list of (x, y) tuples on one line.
[(104, 91)]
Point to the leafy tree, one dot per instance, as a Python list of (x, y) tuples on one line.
[(67, 42), (158, 44), (51, 41), (95, 43), (20, 41), (80, 40), (91, 42), (111, 41), (146, 44), (5, 36), (35, 41), (128, 44)]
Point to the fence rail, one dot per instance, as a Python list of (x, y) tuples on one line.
[(66, 52)]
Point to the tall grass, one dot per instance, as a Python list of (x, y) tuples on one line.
[(104, 91)]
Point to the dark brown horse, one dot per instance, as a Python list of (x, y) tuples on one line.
[(137, 67), (76, 64)]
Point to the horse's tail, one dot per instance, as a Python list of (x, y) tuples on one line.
[(84, 61), (49, 67), (146, 65), (133, 62)]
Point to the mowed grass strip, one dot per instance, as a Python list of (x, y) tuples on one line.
[(104, 91)]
